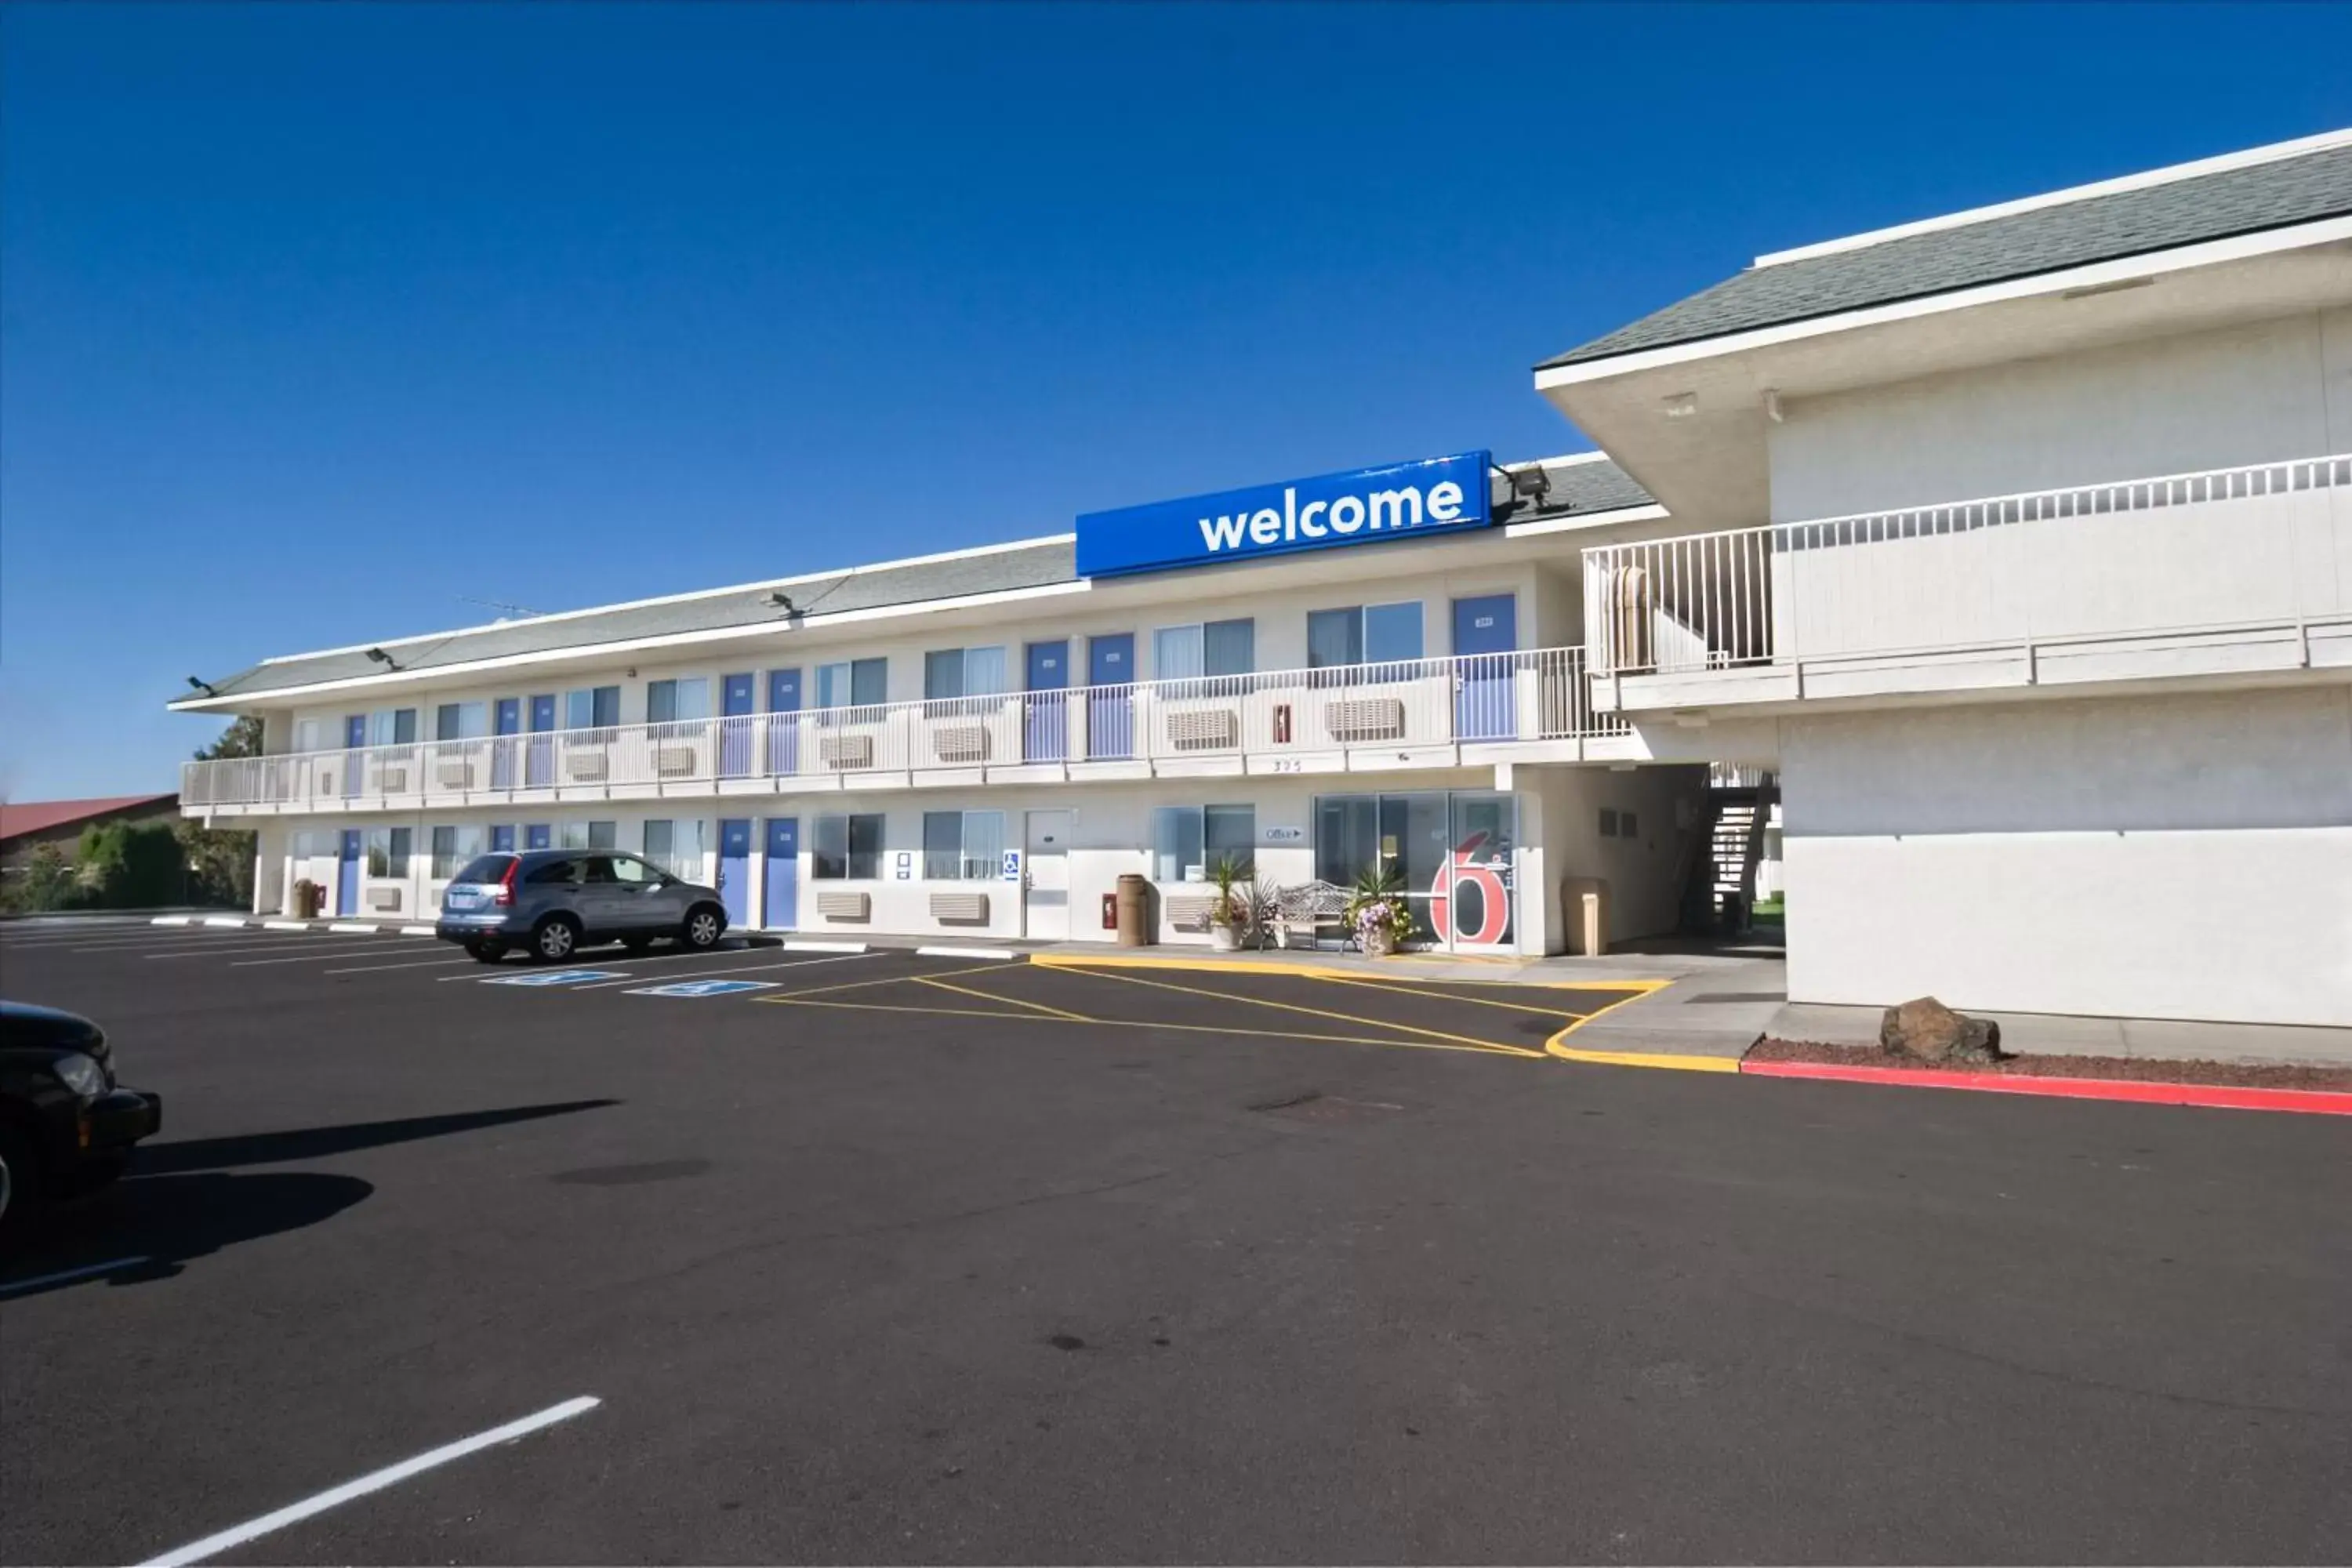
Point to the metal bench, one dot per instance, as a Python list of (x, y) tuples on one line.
[(1301, 912)]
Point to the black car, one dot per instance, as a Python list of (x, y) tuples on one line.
[(65, 1126)]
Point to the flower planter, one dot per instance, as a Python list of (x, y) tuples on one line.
[(1380, 943), (1224, 938)]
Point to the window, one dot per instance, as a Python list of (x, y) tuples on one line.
[(678, 701), (594, 707), (1608, 822), (392, 726), (1363, 633), (632, 872), (1217, 648), (847, 848), (554, 871), (481, 869), (676, 846), (589, 835), (387, 851), (1187, 840), (963, 846), (1627, 827), (461, 721), (856, 683), (455, 847), (963, 672)]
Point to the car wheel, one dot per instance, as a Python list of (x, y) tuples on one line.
[(486, 952), (554, 940), (703, 926)]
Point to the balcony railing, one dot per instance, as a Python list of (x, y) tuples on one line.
[(1397, 707), (2269, 543)]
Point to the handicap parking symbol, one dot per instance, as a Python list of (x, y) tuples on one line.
[(553, 977), (701, 988)]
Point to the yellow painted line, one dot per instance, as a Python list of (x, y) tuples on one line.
[(1311, 1012), (1646, 1060), (1320, 971), (1015, 1001), (885, 980), (1474, 1048), (1444, 996)]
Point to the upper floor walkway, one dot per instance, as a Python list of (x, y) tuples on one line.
[(2230, 572), (1468, 709)]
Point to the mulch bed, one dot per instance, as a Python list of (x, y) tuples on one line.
[(2137, 1069)]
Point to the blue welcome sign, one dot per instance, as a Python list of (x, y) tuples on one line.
[(1435, 495)]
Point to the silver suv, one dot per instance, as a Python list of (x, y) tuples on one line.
[(550, 902)]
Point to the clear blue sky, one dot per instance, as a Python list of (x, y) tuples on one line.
[(315, 318)]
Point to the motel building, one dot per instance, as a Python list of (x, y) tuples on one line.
[(1998, 567)]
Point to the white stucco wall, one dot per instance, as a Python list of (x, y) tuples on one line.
[(2178, 857), (2258, 393)]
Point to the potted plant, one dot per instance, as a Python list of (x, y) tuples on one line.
[(1377, 910), (1229, 911)]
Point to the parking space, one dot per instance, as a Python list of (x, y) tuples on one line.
[(772, 1255)]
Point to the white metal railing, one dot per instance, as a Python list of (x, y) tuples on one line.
[(2264, 542), (1535, 695)]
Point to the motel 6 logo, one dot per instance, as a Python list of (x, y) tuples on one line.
[(1464, 870)]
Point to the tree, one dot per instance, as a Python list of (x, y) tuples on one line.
[(130, 865), (220, 861), (46, 880)]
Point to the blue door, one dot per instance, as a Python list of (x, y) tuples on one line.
[(1045, 734), (783, 911), (538, 836), (538, 761), (784, 724), (1110, 674), (502, 839), (354, 737), (508, 723), (1486, 644), (735, 726), (735, 868), (347, 873)]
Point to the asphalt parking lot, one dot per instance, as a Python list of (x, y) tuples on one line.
[(884, 1258)]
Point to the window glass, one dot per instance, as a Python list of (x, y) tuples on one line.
[(597, 869), (668, 700), (554, 871), (1176, 849), (392, 726), (603, 834), (1176, 653), (628, 868), (387, 851), (847, 846), (593, 707), (445, 851), (857, 683), (1392, 632), (1229, 647), (943, 674), (942, 845), (571, 836), (661, 837), (461, 721), (1229, 830), (489, 868), (1335, 637)]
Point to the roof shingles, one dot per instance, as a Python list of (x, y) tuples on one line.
[(2189, 211)]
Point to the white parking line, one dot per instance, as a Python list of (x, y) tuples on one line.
[(374, 1481), (285, 925), (823, 946), (13, 1286), (348, 929), (997, 953), (416, 930), (173, 920), (234, 922), (276, 944), (413, 963), (731, 968), (346, 951)]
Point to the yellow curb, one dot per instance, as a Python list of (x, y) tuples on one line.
[(1641, 1059)]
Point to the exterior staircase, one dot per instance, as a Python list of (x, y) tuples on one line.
[(1722, 886)]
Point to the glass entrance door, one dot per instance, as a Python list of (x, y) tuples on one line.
[(1455, 851)]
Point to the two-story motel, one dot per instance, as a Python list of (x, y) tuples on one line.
[(2017, 543)]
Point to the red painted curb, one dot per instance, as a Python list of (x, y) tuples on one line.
[(2310, 1102)]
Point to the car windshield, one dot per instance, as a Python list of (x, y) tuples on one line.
[(485, 869)]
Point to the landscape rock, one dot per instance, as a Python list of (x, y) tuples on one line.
[(1930, 1032)]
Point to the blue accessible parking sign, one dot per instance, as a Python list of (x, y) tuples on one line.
[(703, 988), (553, 977)]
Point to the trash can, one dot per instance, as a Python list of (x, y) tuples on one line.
[(309, 898), (1134, 900)]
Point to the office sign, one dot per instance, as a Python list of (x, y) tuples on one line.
[(1362, 506)]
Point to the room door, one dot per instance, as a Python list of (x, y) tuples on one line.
[(1485, 641), (784, 874), (1045, 732), (1110, 677), (1046, 877), (735, 870)]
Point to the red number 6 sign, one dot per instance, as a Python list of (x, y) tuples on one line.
[(1494, 896)]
